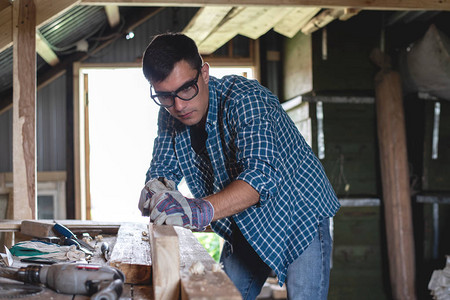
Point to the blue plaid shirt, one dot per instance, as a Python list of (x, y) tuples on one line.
[(251, 138)]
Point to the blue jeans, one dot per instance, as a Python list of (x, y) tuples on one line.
[(307, 277)]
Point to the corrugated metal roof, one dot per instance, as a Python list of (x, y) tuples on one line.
[(6, 68), (80, 22), (89, 22)]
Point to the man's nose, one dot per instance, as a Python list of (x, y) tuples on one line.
[(179, 104)]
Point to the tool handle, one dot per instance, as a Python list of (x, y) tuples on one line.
[(64, 231)]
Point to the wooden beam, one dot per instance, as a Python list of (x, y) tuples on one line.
[(166, 262), (73, 225), (322, 20), (395, 179), (46, 10), (113, 15), (349, 13), (225, 31), (41, 176), (24, 112), (87, 150), (37, 228), (363, 4), (5, 28), (295, 20), (264, 21), (44, 50), (205, 20), (213, 283)]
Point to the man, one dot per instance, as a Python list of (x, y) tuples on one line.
[(254, 178)]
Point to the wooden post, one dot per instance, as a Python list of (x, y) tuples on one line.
[(24, 109), (395, 179)]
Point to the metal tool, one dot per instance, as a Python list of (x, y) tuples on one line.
[(99, 282), (71, 239), (105, 250)]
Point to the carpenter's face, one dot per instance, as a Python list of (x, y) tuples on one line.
[(184, 80)]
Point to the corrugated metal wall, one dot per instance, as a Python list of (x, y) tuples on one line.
[(51, 106), (51, 126), (6, 141), (169, 19), (50, 129)]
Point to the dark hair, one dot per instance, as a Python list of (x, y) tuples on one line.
[(164, 51)]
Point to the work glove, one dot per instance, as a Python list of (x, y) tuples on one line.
[(151, 188), (173, 208)]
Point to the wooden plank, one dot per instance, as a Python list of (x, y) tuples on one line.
[(46, 10), (230, 26), (78, 143), (395, 179), (131, 253), (41, 176), (166, 262), (24, 112), (222, 33), (211, 285), (87, 161), (44, 50), (262, 22), (323, 19), (140, 292), (295, 20), (373, 4), (204, 21), (5, 28), (37, 228), (73, 225)]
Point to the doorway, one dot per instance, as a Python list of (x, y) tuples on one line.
[(122, 125)]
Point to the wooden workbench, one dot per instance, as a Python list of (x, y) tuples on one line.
[(174, 251)]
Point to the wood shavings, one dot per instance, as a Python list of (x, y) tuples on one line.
[(87, 239), (144, 233), (440, 282), (197, 268), (145, 238), (99, 238), (217, 267)]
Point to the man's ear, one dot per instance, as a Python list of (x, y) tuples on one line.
[(205, 72)]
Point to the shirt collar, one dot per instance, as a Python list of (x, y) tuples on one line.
[(213, 101)]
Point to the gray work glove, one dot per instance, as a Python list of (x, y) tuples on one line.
[(151, 188), (172, 208)]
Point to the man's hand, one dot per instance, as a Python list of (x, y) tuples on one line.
[(153, 187), (173, 208)]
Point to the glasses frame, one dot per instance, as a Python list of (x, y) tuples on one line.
[(173, 94)]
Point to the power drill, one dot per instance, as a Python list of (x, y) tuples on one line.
[(99, 282)]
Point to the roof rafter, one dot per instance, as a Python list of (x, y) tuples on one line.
[(113, 15), (361, 4)]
